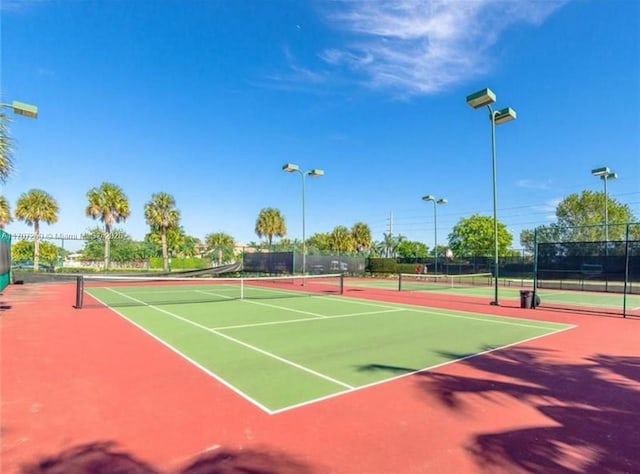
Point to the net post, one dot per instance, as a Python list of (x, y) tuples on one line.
[(79, 292), (342, 284), (399, 281)]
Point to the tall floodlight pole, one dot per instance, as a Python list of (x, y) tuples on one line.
[(484, 98), (435, 201), (293, 168), (605, 175)]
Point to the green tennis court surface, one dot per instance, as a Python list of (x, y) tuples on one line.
[(281, 348)]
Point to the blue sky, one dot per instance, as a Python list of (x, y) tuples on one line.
[(206, 100)]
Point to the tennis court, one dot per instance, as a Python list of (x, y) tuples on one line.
[(282, 344), (482, 286)]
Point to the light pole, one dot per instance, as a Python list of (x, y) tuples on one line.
[(293, 168), (484, 98), (605, 175), (435, 201)]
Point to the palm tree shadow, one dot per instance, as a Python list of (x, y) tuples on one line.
[(102, 457), (625, 366), (99, 457), (593, 406), (246, 461)]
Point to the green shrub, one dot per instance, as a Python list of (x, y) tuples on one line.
[(381, 265), (180, 263), (408, 267)]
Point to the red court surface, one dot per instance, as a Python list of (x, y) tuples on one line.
[(87, 388)]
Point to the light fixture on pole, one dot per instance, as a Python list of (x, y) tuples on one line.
[(605, 175), (484, 98), (435, 201), (21, 108), (315, 172)]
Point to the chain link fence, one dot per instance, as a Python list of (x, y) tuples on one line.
[(597, 259)]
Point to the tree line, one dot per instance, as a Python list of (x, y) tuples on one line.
[(579, 217)]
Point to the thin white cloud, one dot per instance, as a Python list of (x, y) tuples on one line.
[(422, 46), (533, 184), (302, 72), (338, 137), (18, 6), (296, 77), (45, 72), (549, 207)]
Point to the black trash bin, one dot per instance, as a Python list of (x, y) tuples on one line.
[(526, 299)]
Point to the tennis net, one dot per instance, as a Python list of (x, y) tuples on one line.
[(418, 282), (116, 291)]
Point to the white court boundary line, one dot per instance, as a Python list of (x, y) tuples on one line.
[(215, 376), (395, 307), (496, 319), (237, 341), (425, 369), (489, 318), (305, 320)]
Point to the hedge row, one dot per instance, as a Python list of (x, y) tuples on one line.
[(187, 263), (389, 265)]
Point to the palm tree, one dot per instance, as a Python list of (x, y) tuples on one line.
[(6, 148), (270, 223), (188, 246), (161, 214), (34, 207), (378, 249), (109, 204), (5, 212), (219, 241), (341, 239), (361, 234), (320, 242), (391, 243)]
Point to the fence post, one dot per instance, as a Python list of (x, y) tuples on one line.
[(535, 266), (626, 272)]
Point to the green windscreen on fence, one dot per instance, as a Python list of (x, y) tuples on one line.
[(596, 266), (601, 262), (5, 259)]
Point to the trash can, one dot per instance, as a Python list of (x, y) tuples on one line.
[(526, 299)]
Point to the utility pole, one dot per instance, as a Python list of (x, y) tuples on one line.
[(390, 219)]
